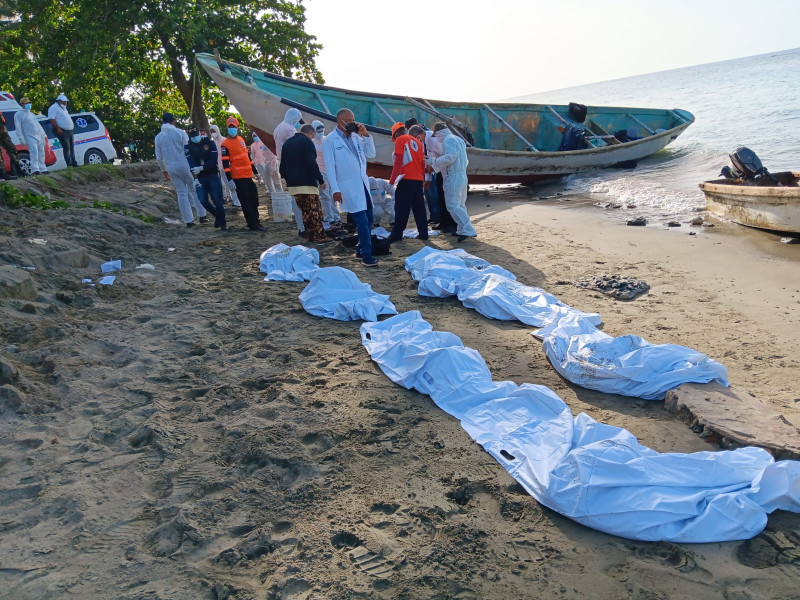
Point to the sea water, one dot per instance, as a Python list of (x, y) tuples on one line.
[(753, 102)]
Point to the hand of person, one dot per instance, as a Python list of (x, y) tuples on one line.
[(362, 130), (232, 185), (337, 197), (426, 185), (196, 170), (428, 161), (166, 176), (429, 169), (197, 184), (322, 186)]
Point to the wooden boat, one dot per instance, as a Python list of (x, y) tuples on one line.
[(766, 207), (513, 143)]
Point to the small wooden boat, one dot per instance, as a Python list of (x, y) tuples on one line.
[(513, 143), (766, 207)]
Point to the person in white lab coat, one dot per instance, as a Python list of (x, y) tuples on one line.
[(453, 166), (171, 159), (346, 151), (285, 130), (32, 134), (229, 194)]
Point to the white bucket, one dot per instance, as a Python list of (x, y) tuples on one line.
[(281, 207)]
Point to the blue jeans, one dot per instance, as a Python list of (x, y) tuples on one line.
[(211, 185), (432, 198), (363, 222)]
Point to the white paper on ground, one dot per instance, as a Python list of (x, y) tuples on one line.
[(38, 241), (627, 365), (336, 293), (111, 266), (169, 221), (289, 263), (596, 474), (107, 280), (146, 266)]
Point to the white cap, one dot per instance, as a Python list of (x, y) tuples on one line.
[(62, 97)]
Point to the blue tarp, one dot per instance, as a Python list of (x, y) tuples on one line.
[(627, 365), (336, 293), (596, 474), (489, 289), (289, 263)]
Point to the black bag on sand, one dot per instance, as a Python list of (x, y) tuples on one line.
[(380, 246)]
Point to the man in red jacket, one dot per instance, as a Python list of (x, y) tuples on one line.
[(408, 173)]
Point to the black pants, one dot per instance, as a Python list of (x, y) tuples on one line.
[(445, 220), (409, 197), (68, 145), (248, 195)]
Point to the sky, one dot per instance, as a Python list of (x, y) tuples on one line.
[(502, 49)]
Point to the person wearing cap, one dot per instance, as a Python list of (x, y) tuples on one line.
[(239, 171), (408, 173), (330, 213), (283, 131), (266, 163), (346, 151), (171, 157), (201, 154), (228, 194), (300, 170), (63, 126), (34, 136)]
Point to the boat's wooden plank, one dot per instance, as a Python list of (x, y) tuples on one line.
[(642, 125), (606, 136), (678, 118), (322, 102), (384, 111), (528, 145), (453, 124), (735, 418), (558, 116)]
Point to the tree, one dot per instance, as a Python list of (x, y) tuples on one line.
[(130, 61)]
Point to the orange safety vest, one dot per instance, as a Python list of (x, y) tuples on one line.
[(235, 158), (409, 159)]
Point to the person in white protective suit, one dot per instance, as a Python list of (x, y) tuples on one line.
[(381, 193), (33, 135), (172, 162), (330, 212), (229, 194), (266, 164), (286, 129), (453, 166)]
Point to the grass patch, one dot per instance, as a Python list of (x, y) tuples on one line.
[(15, 199), (100, 172)]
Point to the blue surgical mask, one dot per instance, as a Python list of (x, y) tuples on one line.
[(196, 139), (297, 126), (255, 138), (233, 131), (27, 106)]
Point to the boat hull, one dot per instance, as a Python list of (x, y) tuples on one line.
[(264, 111), (772, 208)]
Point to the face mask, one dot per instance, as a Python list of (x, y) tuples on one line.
[(196, 139), (232, 131), (351, 127), (319, 133), (255, 138), (27, 107)]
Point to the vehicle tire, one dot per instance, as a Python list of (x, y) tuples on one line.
[(94, 156), (24, 162)]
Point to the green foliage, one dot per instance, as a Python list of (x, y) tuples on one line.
[(14, 198), (131, 61)]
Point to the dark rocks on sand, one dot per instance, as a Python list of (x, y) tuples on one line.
[(637, 222), (621, 288), (696, 222), (16, 283), (673, 224)]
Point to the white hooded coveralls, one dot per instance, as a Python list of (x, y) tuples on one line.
[(172, 159), (453, 166), (330, 211), (216, 136), (382, 194), (267, 165), (31, 132), (286, 129)]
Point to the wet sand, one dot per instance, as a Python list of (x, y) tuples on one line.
[(191, 432)]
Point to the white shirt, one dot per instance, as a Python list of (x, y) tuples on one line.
[(169, 149), (347, 169), (61, 116), (28, 126)]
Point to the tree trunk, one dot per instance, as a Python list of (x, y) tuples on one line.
[(190, 89)]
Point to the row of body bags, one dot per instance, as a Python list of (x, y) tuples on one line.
[(581, 353)]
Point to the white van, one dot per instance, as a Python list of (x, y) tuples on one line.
[(92, 141)]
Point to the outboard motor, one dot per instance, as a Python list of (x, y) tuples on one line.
[(749, 165), (729, 173)]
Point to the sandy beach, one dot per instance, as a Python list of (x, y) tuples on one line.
[(192, 432)]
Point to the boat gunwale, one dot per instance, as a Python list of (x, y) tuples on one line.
[(723, 186)]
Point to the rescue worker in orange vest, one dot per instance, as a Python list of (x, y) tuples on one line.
[(408, 174), (239, 170)]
